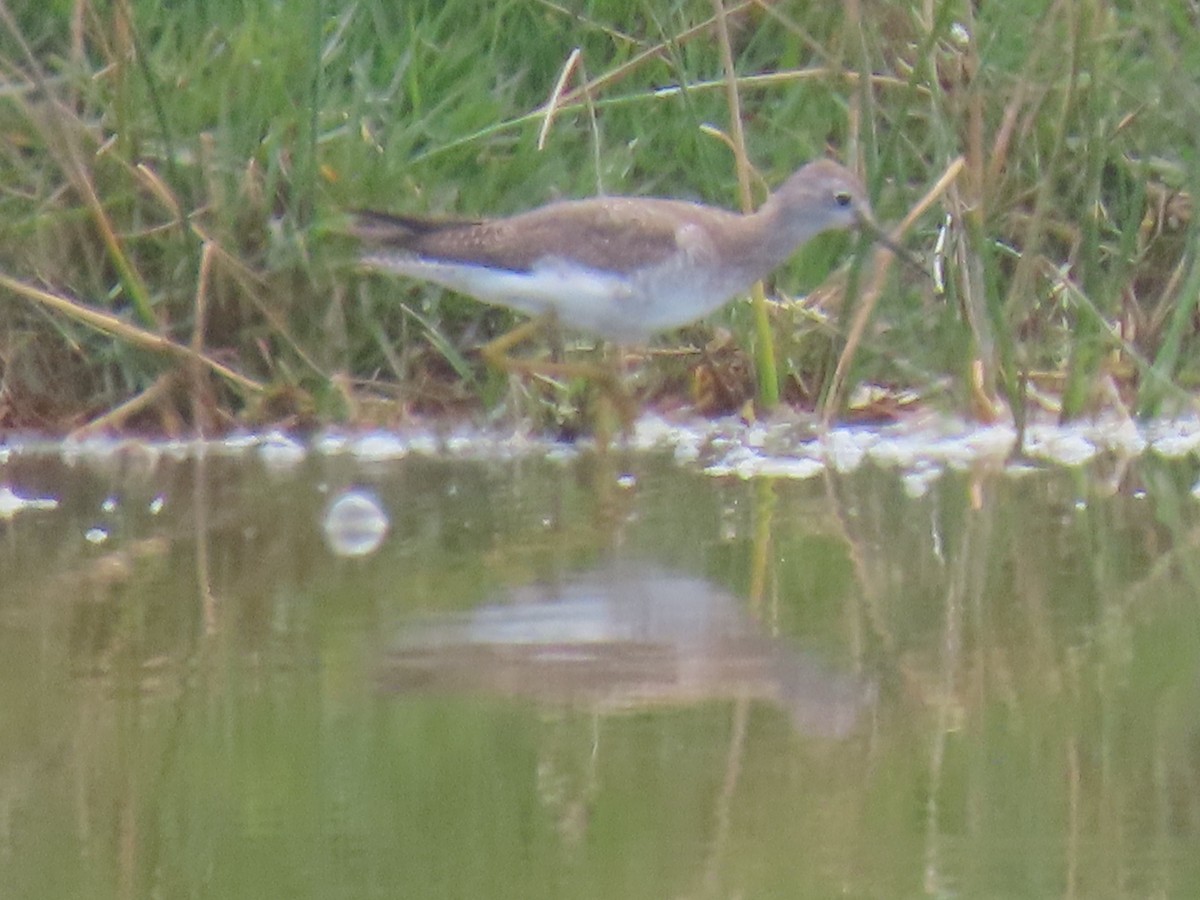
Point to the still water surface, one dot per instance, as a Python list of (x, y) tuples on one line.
[(583, 677)]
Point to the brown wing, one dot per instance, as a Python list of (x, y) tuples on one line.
[(398, 230), (604, 234)]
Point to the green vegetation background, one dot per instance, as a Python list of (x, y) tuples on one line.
[(175, 178)]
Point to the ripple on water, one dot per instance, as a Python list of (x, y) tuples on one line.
[(785, 448)]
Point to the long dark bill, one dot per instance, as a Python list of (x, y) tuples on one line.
[(879, 236)]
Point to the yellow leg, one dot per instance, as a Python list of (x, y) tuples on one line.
[(495, 352), (606, 378)]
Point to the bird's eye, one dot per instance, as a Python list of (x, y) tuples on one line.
[(843, 198)]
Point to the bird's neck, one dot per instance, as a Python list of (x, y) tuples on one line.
[(792, 228), (772, 236)]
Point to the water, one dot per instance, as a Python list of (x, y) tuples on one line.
[(275, 673)]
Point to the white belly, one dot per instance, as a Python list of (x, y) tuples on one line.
[(622, 308)]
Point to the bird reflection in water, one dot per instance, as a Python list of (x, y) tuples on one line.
[(626, 637)]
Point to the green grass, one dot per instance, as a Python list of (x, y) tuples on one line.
[(175, 176)]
